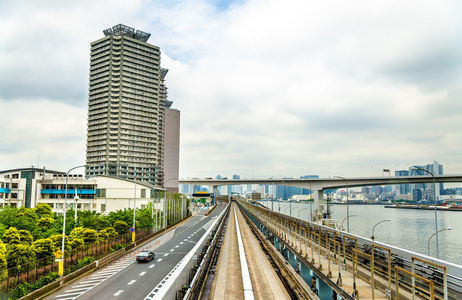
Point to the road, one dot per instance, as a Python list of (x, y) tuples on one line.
[(127, 279)]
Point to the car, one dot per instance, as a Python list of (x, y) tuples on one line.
[(145, 256)]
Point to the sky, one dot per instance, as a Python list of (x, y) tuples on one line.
[(266, 88)]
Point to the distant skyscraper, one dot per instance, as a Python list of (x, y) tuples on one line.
[(126, 107), (402, 189), (435, 169)]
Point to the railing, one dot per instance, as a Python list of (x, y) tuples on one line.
[(364, 258)]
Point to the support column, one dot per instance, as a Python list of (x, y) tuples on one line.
[(318, 197)]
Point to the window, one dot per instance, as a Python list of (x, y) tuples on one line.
[(143, 194), (103, 207), (101, 193), (14, 185)]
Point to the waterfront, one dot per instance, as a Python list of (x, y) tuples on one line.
[(408, 229)]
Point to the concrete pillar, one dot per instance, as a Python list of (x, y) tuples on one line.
[(318, 197)]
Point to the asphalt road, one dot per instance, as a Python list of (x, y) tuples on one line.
[(127, 279)]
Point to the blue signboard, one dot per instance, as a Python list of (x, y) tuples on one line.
[(5, 190), (69, 192)]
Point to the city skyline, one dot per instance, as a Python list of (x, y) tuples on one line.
[(265, 88)]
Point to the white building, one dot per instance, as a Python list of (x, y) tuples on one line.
[(30, 186)]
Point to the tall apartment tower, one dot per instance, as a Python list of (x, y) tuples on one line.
[(126, 107)]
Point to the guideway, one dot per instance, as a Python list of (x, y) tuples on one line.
[(243, 270)]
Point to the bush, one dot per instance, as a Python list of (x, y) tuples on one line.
[(85, 261), (117, 246)]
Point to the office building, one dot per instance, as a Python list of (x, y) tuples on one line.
[(126, 131), (28, 187)]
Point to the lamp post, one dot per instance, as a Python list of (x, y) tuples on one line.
[(169, 207), (354, 215), (449, 228), (373, 237), (436, 214), (60, 267), (348, 211), (134, 212)]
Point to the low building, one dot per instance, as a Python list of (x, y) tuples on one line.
[(29, 186)]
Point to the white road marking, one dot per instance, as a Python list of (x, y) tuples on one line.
[(161, 258), (131, 282), (151, 266), (142, 273), (172, 250), (118, 293)]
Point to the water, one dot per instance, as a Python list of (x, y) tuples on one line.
[(408, 229)]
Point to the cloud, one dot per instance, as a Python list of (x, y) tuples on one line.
[(265, 87)]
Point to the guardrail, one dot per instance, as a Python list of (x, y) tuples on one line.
[(398, 269)]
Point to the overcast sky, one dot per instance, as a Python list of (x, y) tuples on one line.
[(265, 88)]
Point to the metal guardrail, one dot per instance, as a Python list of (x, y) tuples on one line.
[(380, 260)]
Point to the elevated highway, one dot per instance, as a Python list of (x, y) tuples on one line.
[(319, 185)]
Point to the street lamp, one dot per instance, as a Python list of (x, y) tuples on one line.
[(60, 267), (348, 211), (449, 228), (354, 215), (373, 237), (436, 214), (134, 212)]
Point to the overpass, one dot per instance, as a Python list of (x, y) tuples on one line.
[(319, 185)]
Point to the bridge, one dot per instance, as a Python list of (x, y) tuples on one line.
[(319, 185)]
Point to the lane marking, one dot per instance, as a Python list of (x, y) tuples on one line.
[(131, 282), (161, 258), (142, 273), (151, 266), (118, 293)]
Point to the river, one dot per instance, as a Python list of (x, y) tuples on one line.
[(407, 229)]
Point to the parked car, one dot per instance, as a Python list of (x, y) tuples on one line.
[(145, 256)]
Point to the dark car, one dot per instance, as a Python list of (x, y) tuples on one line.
[(145, 256)]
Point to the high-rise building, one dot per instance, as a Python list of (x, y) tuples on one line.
[(126, 107)]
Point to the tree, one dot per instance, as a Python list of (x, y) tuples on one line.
[(45, 227), (3, 261), (26, 219), (57, 240), (77, 243), (92, 220), (111, 232), (107, 233), (90, 236), (77, 233), (43, 210), (25, 237), (8, 216), (18, 254), (120, 226), (43, 248), (11, 236)]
